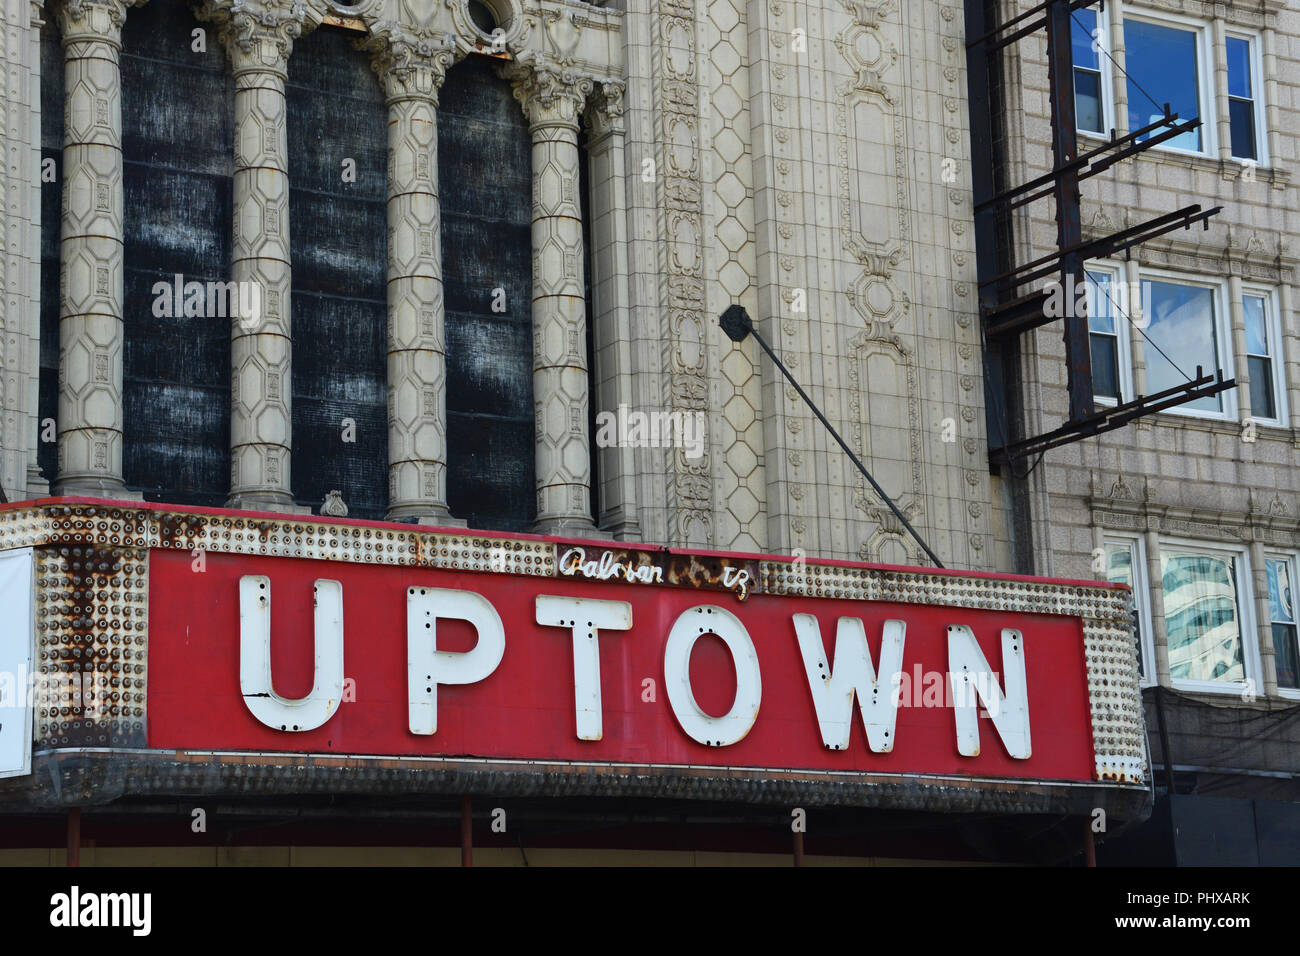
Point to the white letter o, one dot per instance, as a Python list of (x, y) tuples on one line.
[(690, 626)]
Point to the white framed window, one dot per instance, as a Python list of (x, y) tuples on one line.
[(1108, 334), (1281, 574), (1126, 564), (1093, 95), (1208, 617), (1264, 356), (1246, 97), (1167, 59), (1184, 323)]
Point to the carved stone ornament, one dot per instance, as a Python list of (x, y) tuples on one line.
[(409, 61), (96, 13), (548, 92), (256, 26), (606, 111)]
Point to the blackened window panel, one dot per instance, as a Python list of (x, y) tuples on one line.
[(485, 190), (1105, 366), (1288, 663), (338, 238), (178, 163), (51, 223), (1261, 387), (1242, 118)]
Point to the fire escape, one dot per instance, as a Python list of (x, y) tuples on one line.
[(1013, 297)]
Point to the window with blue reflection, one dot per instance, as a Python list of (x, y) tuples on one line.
[(1202, 623), (1281, 611), (1119, 570), (1182, 334), (1259, 357), (1103, 338), (1085, 39), (1162, 68), (1241, 99)]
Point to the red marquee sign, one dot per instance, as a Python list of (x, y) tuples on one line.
[(602, 663)]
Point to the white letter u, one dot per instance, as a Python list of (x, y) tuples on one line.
[(305, 713)]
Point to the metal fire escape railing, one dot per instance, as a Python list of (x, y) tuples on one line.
[(1006, 309)]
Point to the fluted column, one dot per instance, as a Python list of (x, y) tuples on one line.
[(259, 44), (91, 331), (553, 104), (412, 71)]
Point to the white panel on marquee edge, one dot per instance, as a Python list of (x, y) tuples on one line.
[(17, 635)]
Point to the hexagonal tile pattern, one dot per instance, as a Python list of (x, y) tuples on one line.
[(261, 357), (90, 271)]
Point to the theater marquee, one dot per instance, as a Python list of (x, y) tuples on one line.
[(232, 651)]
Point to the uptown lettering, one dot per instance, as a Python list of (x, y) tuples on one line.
[(833, 687)]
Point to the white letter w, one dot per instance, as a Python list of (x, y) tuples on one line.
[(833, 691)]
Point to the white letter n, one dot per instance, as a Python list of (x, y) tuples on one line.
[(970, 677)]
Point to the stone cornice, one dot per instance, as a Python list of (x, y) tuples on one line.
[(1271, 519)]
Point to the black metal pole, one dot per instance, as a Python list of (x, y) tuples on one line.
[(737, 324), (1069, 227)]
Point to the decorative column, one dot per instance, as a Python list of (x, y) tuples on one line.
[(611, 298), (259, 42), (553, 103), (1272, 108), (1156, 594), (38, 485), (1219, 70), (1237, 330), (412, 70), (1118, 77), (1266, 686), (91, 331)]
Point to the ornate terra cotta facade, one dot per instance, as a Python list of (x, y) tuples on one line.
[(475, 233), (767, 154)]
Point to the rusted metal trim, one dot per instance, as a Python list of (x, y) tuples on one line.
[(351, 24), (89, 776)]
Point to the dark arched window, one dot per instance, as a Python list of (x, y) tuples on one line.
[(485, 190), (177, 164), (338, 141)]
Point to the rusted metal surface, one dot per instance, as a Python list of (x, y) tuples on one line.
[(91, 644), (736, 574), (96, 777)]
